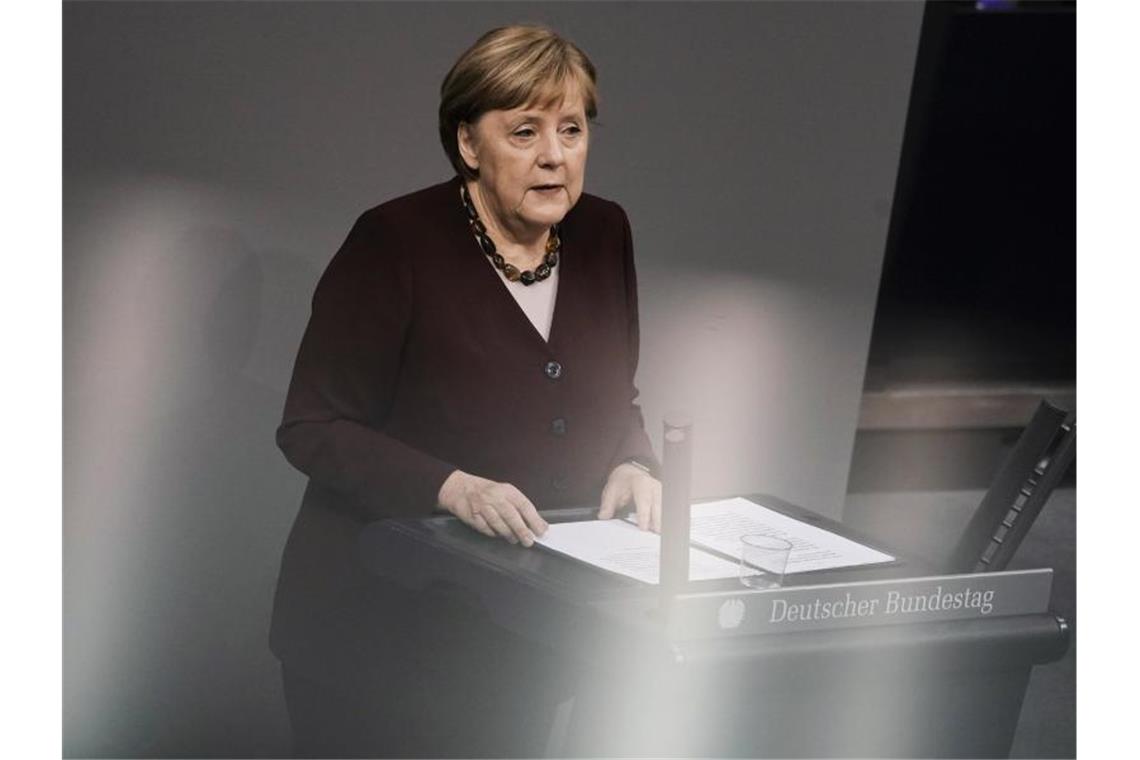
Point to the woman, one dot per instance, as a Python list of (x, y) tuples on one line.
[(471, 350)]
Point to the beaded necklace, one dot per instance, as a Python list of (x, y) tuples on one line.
[(510, 271)]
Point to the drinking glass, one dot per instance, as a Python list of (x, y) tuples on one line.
[(763, 560)]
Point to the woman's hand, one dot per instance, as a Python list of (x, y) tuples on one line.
[(629, 482), (493, 509)]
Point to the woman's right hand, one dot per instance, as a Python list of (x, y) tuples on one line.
[(493, 509)]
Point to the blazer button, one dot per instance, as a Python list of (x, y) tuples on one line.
[(553, 370), (558, 426)]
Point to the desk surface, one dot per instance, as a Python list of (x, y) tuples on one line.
[(571, 579)]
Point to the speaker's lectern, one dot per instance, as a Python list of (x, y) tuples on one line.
[(648, 685)]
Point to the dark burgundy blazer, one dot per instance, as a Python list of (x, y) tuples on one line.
[(417, 361)]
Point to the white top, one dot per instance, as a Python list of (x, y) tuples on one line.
[(537, 300)]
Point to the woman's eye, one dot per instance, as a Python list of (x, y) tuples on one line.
[(573, 129), (527, 132)]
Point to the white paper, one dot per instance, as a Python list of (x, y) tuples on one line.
[(718, 525), (620, 547)]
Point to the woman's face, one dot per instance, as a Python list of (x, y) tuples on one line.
[(531, 161)]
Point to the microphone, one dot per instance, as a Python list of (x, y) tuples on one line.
[(676, 477)]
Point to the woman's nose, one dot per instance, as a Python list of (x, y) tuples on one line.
[(550, 150)]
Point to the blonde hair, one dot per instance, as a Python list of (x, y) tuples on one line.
[(508, 67)]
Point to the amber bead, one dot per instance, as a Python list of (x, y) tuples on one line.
[(512, 272), (498, 261), (542, 271), (527, 277), (487, 245), (552, 243), (551, 259)]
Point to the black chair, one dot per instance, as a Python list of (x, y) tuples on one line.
[(1033, 469)]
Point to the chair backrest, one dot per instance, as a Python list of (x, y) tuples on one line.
[(1036, 465)]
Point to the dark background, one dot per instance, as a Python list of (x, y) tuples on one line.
[(976, 316)]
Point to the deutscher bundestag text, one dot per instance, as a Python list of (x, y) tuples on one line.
[(894, 603)]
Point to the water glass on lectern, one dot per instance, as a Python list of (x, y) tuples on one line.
[(763, 560)]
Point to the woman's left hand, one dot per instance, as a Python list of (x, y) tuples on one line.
[(629, 483)]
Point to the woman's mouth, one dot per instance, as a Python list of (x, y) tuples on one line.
[(547, 189)]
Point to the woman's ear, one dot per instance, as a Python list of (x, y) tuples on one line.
[(466, 140)]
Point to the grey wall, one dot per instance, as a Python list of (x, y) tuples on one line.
[(215, 156)]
